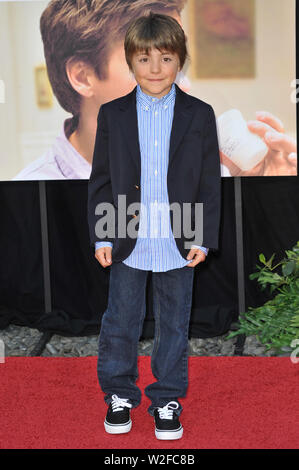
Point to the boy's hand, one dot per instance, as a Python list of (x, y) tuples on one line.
[(104, 256), (199, 256)]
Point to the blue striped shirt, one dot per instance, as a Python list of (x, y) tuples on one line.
[(155, 248)]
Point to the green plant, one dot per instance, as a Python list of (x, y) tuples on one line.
[(276, 323)]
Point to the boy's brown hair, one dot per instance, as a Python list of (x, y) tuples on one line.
[(158, 31), (88, 30)]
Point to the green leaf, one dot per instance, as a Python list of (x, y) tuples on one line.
[(289, 268), (262, 258), (253, 275), (269, 263), (233, 334)]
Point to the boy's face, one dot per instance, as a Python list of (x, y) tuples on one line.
[(120, 81), (156, 71)]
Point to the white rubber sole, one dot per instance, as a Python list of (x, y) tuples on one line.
[(118, 428), (169, 435)]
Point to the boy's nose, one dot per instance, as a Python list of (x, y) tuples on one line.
[(155, 67)]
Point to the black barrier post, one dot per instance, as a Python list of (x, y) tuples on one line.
[(45, 244), (46, 265), (239, 345)]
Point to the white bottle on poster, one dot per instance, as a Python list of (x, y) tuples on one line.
[(242, 147)]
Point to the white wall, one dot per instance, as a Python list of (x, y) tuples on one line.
[(26, 130), (271, 89), (8, 127)]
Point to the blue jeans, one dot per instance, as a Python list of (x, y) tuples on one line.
[(121, 329)]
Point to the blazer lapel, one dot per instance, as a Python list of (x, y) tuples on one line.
[(183, 111)]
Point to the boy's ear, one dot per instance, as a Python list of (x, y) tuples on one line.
[(80, 76)]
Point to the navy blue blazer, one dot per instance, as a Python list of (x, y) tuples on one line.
[(193, 169)]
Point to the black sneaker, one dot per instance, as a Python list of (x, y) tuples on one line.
[(167, 422), (118, 418)]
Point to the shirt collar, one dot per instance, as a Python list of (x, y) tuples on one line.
[(148, 101), (70, 162)]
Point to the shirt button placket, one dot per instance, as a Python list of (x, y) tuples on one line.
[(156, 173)]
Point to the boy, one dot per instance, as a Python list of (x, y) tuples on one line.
[(156, 145)]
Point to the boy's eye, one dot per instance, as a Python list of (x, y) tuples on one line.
[(166, 59)]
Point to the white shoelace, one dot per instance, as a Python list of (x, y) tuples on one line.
[(119, 403), (166, 412)]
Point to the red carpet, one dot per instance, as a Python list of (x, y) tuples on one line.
[(232, 403)]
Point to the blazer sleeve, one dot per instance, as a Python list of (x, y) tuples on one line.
[(99, 184), (210, 183)]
